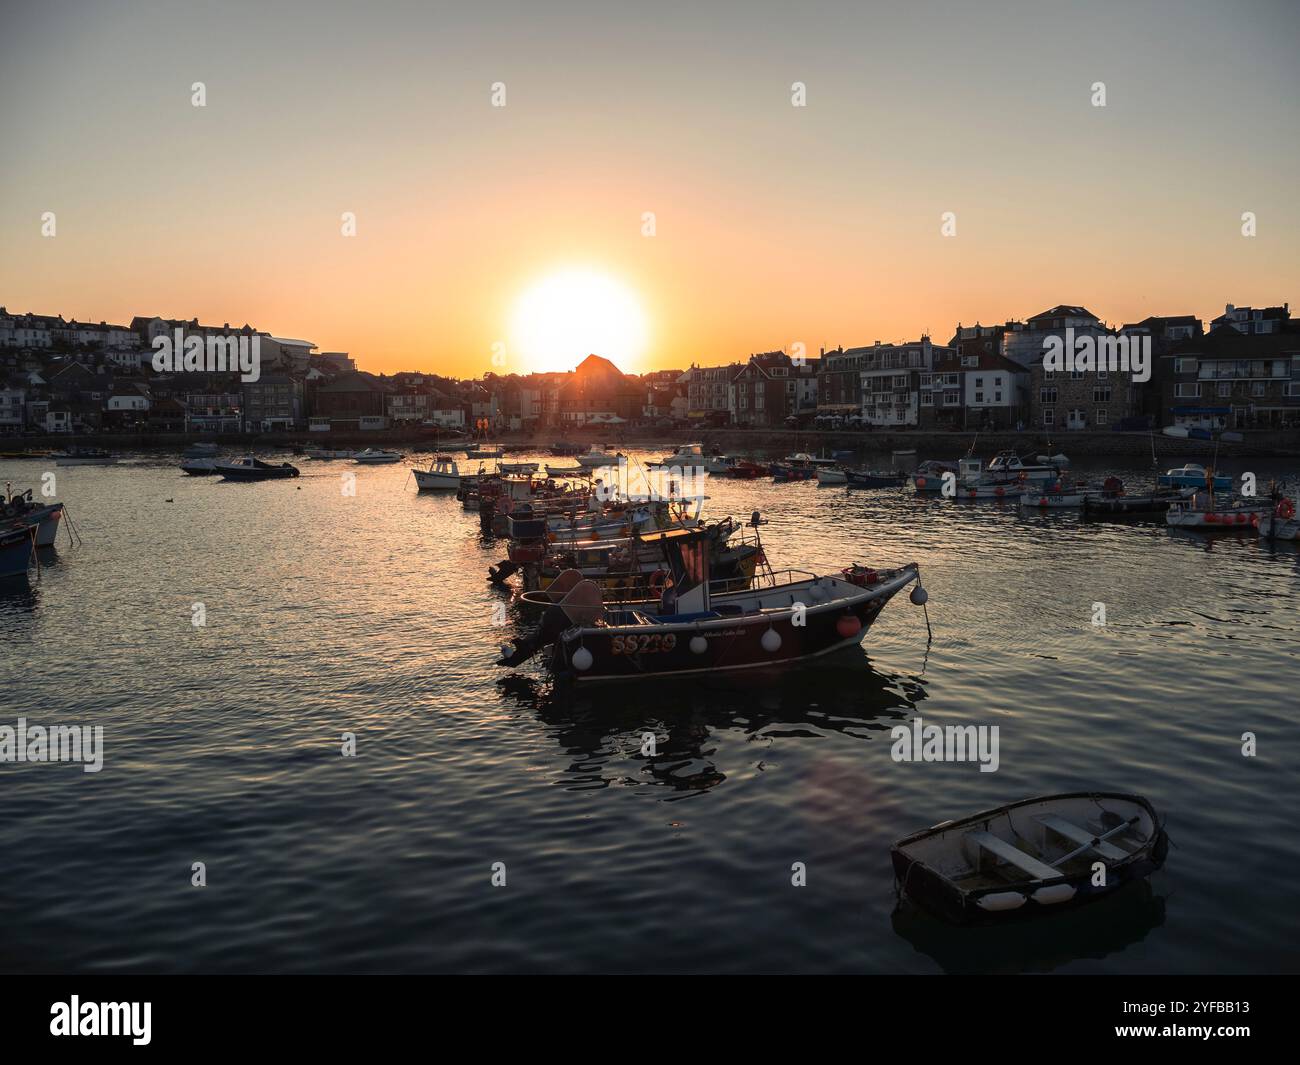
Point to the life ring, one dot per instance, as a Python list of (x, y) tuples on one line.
[(657, 581), (1285, 510)]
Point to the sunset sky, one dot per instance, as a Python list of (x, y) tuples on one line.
[(774, 224)]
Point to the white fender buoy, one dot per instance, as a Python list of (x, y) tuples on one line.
[(699, 645), (1000, 901), (771, 641), (919, 596), (1048, 896), (582, 660)]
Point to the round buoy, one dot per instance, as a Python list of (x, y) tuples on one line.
[(1241, 518), (771, 641), (920, 482), (582, 659), (699, 645), (507, 649), (848, 625), (919, 596)]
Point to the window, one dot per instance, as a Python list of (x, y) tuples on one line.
[(1049, 375), (1049, 416), (1100, 415), (927, 399), (1185, 366), (1101, 394), (1047, 395), (997, 397), (1076, 375), (979, 397), (1225, 388), (952, 399), (979, 382), (1258, 388), (970, 360), (1187, 391), (900, 380)]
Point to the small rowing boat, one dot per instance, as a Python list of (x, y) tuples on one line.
[(1030, 857)]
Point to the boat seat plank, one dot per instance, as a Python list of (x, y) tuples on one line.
[(1026, 863), (1078, 834)]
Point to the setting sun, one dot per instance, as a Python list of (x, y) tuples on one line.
[(567, 316)]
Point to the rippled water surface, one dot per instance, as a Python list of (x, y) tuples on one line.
[(370, 614)]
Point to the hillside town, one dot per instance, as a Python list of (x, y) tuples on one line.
[(1239, 371)]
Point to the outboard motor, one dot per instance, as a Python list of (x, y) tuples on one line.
[(502, 571), (554, 622)]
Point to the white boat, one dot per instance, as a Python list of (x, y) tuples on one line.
[(442, 473), (1193, 475), (84, 456), (484, 451), (720, 464), (374, 457), (598, 457), (686, 456), (1203, 513), (1009, 466), (1281, 523), (199, 467), (827, 475)]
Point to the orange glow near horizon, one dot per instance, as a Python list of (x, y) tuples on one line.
[(774, 225)]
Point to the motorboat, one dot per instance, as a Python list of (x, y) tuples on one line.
[(254, 469), (687, 456), (484, 451), (746, 470), (1007, 465), (929, 475), (1031, 857), (799, 467), (16, 545), (443, 473), (20, 509), (84, 456), (1112, 504), (690, 631), (719, 465), (831, 475), (199, 467), (598, 457), (1193, 475), (375, 457)]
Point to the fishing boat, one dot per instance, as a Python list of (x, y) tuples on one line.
[(443, 473), (20, 509), (975, 482), (719, 465), (1193, 475), (929, 475), (875, 479), (831, 475), (1204, 513), (375, 457), (598, 457), (799, 467), (254, 469), (16, 546), (1030, 857), (199, 467), (84, 456), (1281, 523), (690, 632), (484, 451)]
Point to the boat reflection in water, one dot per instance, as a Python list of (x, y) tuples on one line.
[(1096, 931), (604, 739)]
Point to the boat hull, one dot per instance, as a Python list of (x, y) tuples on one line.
[(1215, 521), (730, 643), (427, 481), (16, 547)]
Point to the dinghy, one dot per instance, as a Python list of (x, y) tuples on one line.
[(1030, 857)]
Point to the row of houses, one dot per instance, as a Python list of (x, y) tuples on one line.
[(1243, 372)]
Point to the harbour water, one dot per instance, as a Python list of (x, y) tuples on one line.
[(327, 613)]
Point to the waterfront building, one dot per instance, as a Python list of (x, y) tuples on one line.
[(891, 381)]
